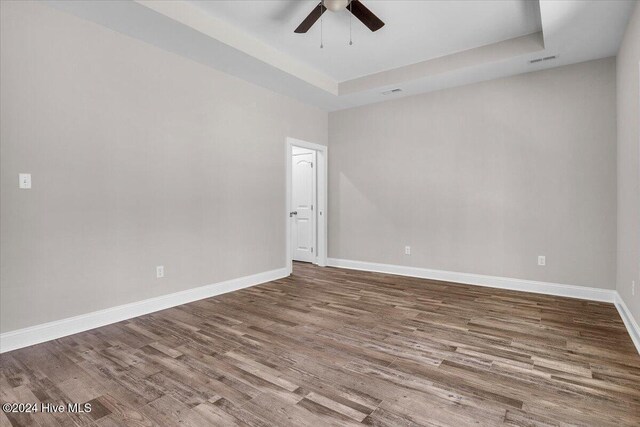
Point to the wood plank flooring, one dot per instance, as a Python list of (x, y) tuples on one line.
[(337, 347)]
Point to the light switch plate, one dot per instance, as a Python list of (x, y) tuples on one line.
[(24, 181)]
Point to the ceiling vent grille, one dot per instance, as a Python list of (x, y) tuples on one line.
[(546, 58), (389, 92)]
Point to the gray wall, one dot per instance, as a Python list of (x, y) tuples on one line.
[(139, 158), (629, 165), (483, 178)]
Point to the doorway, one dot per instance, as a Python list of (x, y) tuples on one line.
[(303, 202), (306, 201)]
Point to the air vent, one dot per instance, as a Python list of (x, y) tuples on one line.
[(546, 58), (389, 92)]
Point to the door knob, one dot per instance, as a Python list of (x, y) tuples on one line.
[(291, 214)]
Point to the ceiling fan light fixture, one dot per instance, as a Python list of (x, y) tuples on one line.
[(336, 5), (355, 8)]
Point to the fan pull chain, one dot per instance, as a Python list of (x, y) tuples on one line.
[(321, 6), (350, 18)]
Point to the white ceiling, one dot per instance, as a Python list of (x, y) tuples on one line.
[(254, 40), (414, 31)]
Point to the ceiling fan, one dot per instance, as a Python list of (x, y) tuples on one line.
[(358, 10)]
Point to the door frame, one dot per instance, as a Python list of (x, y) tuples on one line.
[(322, 158)]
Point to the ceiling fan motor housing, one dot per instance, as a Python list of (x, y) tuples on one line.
[(336, 5)]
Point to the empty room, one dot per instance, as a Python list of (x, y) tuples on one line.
[(319, 213)]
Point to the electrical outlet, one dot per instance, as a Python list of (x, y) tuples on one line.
[(160, 271), (407, 250), (542, 260)]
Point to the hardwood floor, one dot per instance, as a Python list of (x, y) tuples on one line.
[(338, 347)]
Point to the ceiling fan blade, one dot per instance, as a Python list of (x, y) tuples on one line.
[(367, 17), (311, 18)]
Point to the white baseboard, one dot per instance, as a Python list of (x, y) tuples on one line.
[(60, 328), (629, 321), (582, 292)]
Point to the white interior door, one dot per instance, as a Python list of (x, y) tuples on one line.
[(303, 196)]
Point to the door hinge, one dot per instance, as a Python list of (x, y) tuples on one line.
[(311, 207), (311, 250), (311, 164)]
